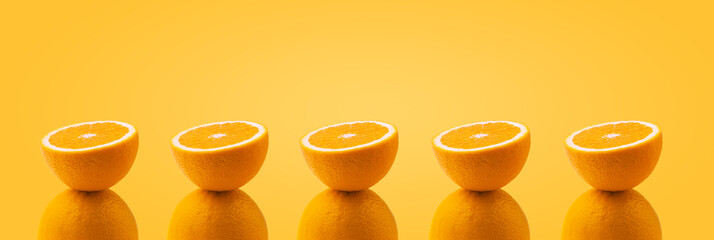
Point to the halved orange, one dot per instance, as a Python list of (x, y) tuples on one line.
[(217, 215), (597, 215), (91, 156), (351, 156), (470, 215), (221, 156), (341, 215), (615, 156), (483, 156), (87, 215)]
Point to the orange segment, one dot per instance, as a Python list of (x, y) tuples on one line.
[(88, 135), (480, 135), (612, 135), (218, 135), (348, 135)]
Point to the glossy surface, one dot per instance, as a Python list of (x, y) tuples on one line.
[(298, 66)]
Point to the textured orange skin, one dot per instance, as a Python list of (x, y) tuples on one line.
[(217, 215), (617, 170), (76, 215), (347, 215), (355, 169), (487, 169), (225, 169), (95, 169), (471, 215), (605, 215)]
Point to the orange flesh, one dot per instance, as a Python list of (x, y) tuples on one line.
[(480, 135), (348, 135), (88, 135), (218, 135), (612, 135)]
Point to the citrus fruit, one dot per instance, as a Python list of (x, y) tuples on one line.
[(217, 215), (221, 156), (351, 156), (615, 156), (604, 215), (479, 215), (347, 215), (87, 215), (483, 156), (91, 156)]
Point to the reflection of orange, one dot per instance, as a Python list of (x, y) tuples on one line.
[(347, 215), (87, 215), (217, 215), (479, 215), (91, 156), (611, 215), (483, 156), (615, 156), (351, 156), (221, 156)]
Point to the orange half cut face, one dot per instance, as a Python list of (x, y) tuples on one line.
[(348, 135), (88, 135), (609, 136), (218, 135), (480, 135)]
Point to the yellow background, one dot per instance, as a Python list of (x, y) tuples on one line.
[(423, 66)]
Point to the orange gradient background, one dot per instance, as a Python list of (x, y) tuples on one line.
[(423, 66)]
